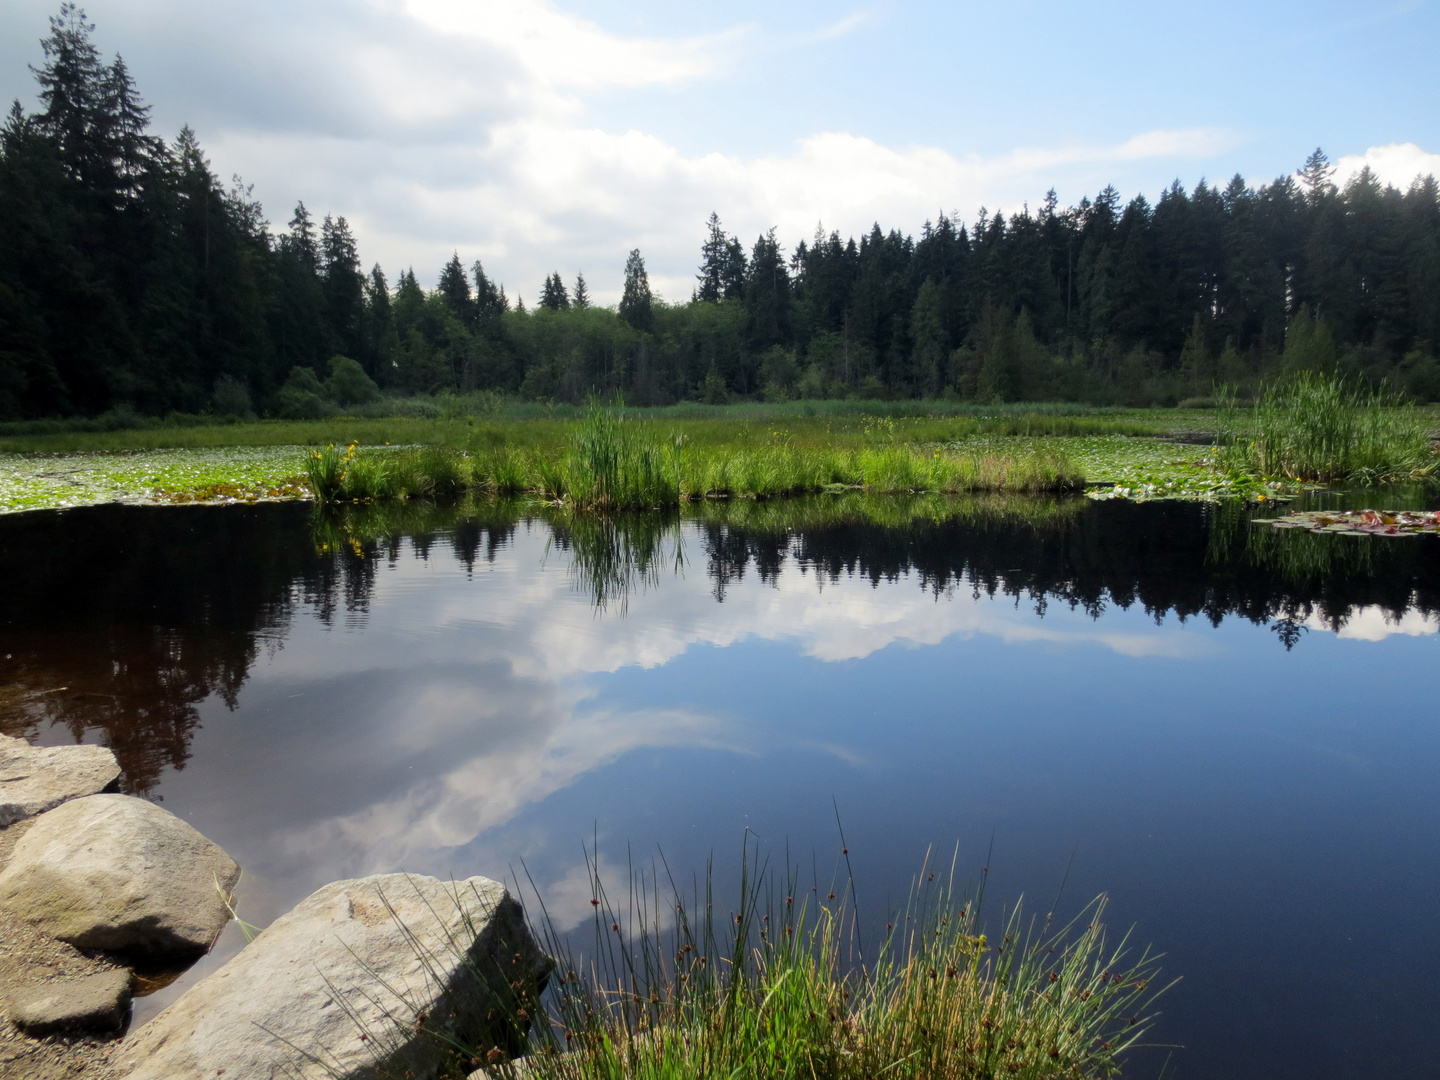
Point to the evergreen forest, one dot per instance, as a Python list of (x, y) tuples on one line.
[(133, 281)]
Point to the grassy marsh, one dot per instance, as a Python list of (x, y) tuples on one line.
[(1320, 427), (713, 451), (613, 462)]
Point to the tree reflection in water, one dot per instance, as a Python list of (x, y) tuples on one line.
[(116, 622)]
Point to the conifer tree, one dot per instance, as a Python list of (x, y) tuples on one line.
[(343, 284), (490, 302), (553, 295), (767, 295), (302, 237), (580, 298), (714, 262), (454, 289), (636, 301)]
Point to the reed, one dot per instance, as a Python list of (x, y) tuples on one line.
[(1318, 426), (779, 985), (613, 463)]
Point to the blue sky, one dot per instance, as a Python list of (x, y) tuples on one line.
[(543, 136)]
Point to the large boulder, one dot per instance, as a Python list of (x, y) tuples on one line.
[(380, 976), (121, 874), (34, 779)]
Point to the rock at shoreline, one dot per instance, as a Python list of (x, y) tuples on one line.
[(93, 1003), (364, 978), (121, 874), (34, 779)]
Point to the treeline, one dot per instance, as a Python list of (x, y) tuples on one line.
[(132, 277)]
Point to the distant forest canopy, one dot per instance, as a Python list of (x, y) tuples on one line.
[(131, 278)]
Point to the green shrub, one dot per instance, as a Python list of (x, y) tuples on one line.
[(302, 396), (348, 384), (615, 465)]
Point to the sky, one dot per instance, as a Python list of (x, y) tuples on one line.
[(542, 136)]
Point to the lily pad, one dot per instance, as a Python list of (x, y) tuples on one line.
[(1361, 522)]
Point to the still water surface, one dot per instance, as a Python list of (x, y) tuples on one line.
[(1230, 730)]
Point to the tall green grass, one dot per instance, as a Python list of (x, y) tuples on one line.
[(612, 462), (1317, 426), (354, 475), (780, 985)]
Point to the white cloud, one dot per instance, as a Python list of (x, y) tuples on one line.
[(440, 125), (562, 50), (1376, 624), (488, 741), (1397, 164)]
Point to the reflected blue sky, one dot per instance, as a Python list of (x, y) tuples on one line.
[(1266, 817)]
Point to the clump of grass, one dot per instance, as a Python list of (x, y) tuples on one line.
[(325, 471), (781, 987), (429, 471), (615, 465), (1317, 426), (502, 471)]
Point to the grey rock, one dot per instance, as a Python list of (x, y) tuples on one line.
[(34, 779), (118, 873), (362, 979), (92, 1003)]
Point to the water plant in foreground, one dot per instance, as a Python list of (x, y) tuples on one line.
[(781, 986)]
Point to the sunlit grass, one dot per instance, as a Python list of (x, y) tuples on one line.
[(777, 983)]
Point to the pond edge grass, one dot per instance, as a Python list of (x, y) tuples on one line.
[(613, 463)]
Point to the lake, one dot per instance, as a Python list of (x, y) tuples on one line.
[(1229, 729)]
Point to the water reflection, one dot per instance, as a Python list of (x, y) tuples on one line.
[(453, 690), (120, 621)]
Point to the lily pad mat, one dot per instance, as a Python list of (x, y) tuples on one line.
[(210, 474), (1363, 522), (1139, 468)]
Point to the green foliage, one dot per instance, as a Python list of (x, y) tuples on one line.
[(611, 462), (348, 384), (781, 986), (303, 397), (615, 465), (130, 275), (325, 470), (1317, 426)]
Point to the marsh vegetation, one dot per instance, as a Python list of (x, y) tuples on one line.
[(1322, 427), (778, 983), (611, 462)]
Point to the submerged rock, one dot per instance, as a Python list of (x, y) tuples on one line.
[(92, 1003), (121, 874), (34, 779), (364, 978)]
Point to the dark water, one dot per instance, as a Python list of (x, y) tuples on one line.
[(1231, 730)]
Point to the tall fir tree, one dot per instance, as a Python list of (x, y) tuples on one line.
[(553, 295), (635, 300)]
